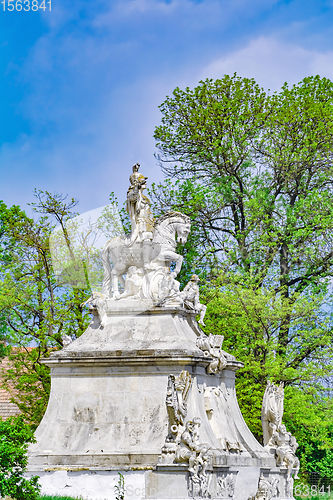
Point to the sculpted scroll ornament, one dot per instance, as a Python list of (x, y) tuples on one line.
[(271, 411), (66, 340), (177, 394), (267, 488), (226, 486), (190, 295), (182, 445), (96, 304)]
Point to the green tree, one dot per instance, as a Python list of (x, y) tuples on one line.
[(254, 172), (15, 437), (36, 310), (250, 321)]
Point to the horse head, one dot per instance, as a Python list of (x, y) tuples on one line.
[(175, 223)]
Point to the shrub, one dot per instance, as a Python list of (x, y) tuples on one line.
[(15, 436)]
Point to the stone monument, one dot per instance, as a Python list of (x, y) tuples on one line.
[(145, 393)]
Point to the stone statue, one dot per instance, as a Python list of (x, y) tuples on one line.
[(150, 256), (169, 293), (271, 411), (194, 453), (133, 283), (141, 262), (286, 446), (145, 391), (276, 437), (190, 295), (212, 346), (138, 207)]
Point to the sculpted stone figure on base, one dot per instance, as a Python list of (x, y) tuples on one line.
[(138, 207), (286, 446), (145, 256), (212, 346), (196, 455), (150, 248), (276, 437), (190, 295), (133, 284)]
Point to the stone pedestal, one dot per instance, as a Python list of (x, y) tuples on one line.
[(107, 413)]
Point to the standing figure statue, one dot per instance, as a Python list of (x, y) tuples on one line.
[(271, 411), (138, 207), (147, 253), (190, 295)]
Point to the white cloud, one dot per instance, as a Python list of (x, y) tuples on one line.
[(94, 84), (271, 63)]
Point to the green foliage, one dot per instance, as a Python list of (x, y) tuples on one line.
[(120, 487), (15, 436), (321, 496), (310, 417), (47, 497), (250, 320), (31, 381), (254, 173), (209, 129), (256, 182), (199, 257), (325, 465), (124, 218), (34, 308)]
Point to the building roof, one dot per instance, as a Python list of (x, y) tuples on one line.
[(7, 409)]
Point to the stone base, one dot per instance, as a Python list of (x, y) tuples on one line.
[(109, 411), (90, 484), (165, 482)]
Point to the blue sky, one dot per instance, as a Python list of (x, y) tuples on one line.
[(80, 85)]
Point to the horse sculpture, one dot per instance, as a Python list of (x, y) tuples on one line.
[(152, 255)]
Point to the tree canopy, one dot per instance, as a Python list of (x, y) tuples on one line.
[(255, 174), (36, 310)]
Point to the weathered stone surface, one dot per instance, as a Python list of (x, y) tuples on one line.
[(107, 409), (144, 391)]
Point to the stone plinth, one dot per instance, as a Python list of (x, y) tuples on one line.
[(107, 412)]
